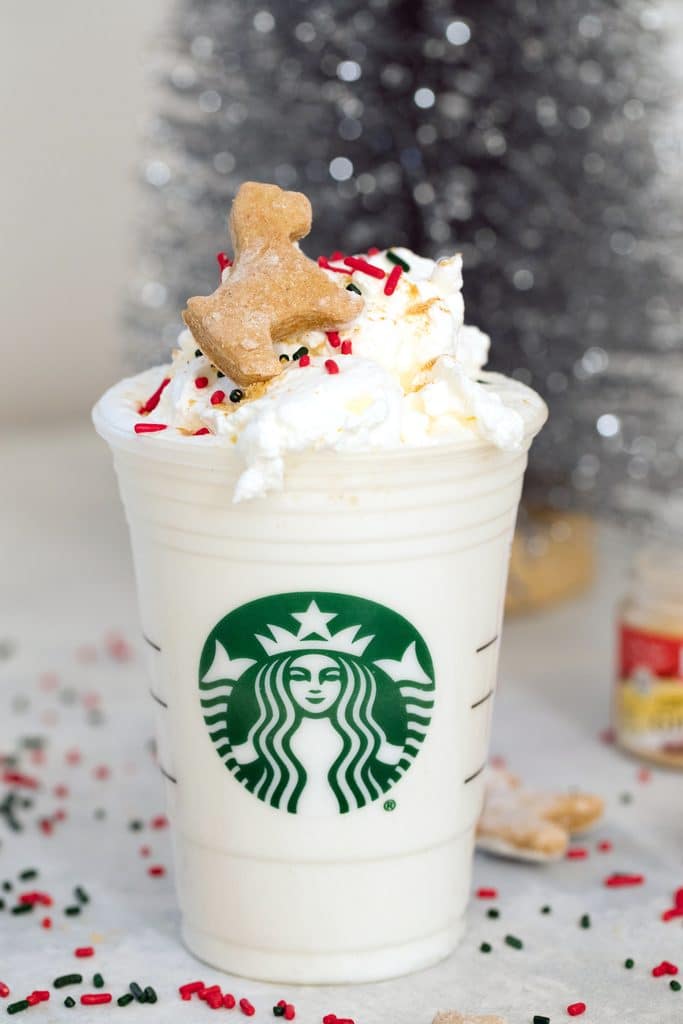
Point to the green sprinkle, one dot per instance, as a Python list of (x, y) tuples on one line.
[(493, 912), (23, 1004), (236, 395), (2, 904), (540, 1019), (135, 825), (626, 798), (512, 940), (585, 921), (70, 1002), (219, 373), (67, 979), (197, 353), (150, 994), (353, 288), (393, 258), (125, 999), (28, 874), (23, 908), (72, 911), (303, 351), (7, 886), (278, 1011), (137, 992), (100, 813), (675, 985), (81, 895), (485, 947), (98, 980), (284, 358), (546, 909), (628, 964)]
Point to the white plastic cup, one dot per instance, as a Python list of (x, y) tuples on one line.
[(276, 879)]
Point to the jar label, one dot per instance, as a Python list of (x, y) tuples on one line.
[(649, 698)]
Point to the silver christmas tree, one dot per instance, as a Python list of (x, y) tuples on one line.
[(535, 136)]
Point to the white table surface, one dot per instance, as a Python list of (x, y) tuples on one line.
[(66, 582)]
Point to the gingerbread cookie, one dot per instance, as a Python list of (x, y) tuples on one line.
[(528, 825), (272, 291), (453, 1017)]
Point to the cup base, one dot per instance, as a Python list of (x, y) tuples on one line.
[(306, 968)]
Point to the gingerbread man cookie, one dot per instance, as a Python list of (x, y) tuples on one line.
[(272, 291), (453, 1017), (529, 825)]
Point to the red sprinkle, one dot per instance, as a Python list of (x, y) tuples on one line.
[(576, 1009), (46, 826), (666, 967), (604, 846), (678, 898), (83, 951), (36, 897), (392, 281), (326, 265), (331, 366), (46, 922), (215, 1000), (290, 1012), (487, 894), (201, 432), (334, 339), (223, 260), (208, 993), (577, 853), (305, 361), (201, 382), (217, 397), (373, 250), (346, 347), (61, 791), (364, 267), (330, 1018), (618, 881), (228, 1001), (4, 990), (644, 775), (149, 428), (247, 1008), (160, 821), (39, 995), (670, 915), (190, 988), (156, 870), (337, 255), (95, 998), (145, 851), (153, 400), (19, 779)]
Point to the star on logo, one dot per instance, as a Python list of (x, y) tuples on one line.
[(313, 621)]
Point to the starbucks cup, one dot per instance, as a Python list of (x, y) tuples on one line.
[(322, 667)]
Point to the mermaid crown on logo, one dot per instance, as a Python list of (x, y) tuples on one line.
[(314, 635)]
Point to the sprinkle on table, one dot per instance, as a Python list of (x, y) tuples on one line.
[(487, 893), (67, 979), (4, 990), (577, 853), (576, 1009), (156, 870), (629, 963), (69, 1002), (512, 940), (493, 912), (585, 921), (84, 951), (540, 1018), (149, 428), (546, 909), (619, 880), (246, 1008), (604, 846), (95, 998), (485, 947), (392, 281), (22, 1004), (125, 1000), (674, 985)]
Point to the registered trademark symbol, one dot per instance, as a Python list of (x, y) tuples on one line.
[(389, 805)]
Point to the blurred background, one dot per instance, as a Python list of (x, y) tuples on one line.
[(541, 139)]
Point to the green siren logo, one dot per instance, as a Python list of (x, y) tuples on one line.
[(317, 703)]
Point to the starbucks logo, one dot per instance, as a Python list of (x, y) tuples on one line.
[(317, 703)]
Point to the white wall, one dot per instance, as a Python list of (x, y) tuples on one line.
[(74, 95)]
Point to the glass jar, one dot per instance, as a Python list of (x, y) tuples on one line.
[(648, 699)]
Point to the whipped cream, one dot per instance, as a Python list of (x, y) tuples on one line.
[(411, 376)]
